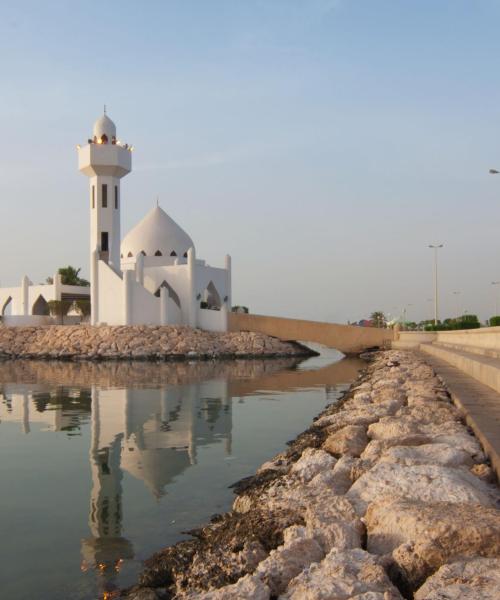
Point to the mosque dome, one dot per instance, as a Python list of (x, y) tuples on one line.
[(104, 126), (156, 235)]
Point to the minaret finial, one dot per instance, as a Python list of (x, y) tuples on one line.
[(104, 109), (158, 200)]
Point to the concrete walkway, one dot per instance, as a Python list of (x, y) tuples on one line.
[(479, 403)]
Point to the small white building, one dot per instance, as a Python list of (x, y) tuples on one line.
[(28, 304), (151, 277)]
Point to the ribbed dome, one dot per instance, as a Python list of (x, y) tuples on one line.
[(156, 233), (104, 126)]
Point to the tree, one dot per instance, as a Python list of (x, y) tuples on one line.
[(59, 308), (83, 307), (69, 276), (378, 319)]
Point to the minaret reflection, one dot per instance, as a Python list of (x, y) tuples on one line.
[(153, 434)]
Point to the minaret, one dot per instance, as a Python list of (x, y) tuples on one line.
[(105, 160)]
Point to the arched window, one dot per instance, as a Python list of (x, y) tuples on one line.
[(104, 138), (143, 253), (212, 297), (171, 293), (130, 255), (158, 253), (40, 307), (173, 253), (185, 255), (6, 305)]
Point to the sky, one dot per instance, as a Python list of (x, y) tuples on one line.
[(324, 144)]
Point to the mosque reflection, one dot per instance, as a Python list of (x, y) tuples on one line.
[(151, 429)]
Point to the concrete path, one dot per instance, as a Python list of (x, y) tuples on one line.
[(479, 403)]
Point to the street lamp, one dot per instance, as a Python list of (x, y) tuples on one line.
[(405, 314), (435, 248), (496, 297), (457, 311)]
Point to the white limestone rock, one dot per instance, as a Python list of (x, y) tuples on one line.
[(343, 575), (351, 440), (427, 483), (311, 463), (287, 561), (249, 587), (403, 425), (423, 537), (461, 441), (427, 454), (474, 579)]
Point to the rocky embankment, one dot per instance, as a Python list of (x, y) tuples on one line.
[(84, 342), (387, 496)]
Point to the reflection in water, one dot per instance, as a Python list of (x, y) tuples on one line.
[(147, 420)]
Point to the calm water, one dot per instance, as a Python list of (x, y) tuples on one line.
[(103, 464)]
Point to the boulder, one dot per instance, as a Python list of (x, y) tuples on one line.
[(475, 579), (403, 425), (427, 454), (311, 463), (343, 575), (288, 560), (427, 483), (246, 588), (348, 440), (423, 537)]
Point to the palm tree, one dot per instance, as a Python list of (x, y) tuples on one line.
[(378, 319), (69, 276)]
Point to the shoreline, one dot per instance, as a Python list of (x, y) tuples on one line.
[(387, 493), (140, 342)]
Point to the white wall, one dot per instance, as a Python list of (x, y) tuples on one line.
[(111, 306), (145, 307), (212, 320)]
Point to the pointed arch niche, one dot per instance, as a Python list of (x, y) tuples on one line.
[(7, 305), (40, 307), (212, 297), (171, 293)]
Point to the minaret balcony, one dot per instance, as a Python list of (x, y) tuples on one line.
[(110, 160)]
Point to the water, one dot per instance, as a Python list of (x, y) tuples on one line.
[(103, 464)]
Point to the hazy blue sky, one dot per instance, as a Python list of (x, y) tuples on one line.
[(322, 143)]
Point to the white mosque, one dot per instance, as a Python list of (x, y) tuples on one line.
[(151, 277)]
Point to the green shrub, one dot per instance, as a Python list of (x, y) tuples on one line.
[(494, 321)]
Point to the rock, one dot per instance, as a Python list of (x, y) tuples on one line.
[(343, 575), (427, 454), (484, 472), (402, 425), (142, 594), (246, 588), (348, 440), (475, 579), (311, 463), (461, 440), (423, 537), (427, 483), (287, 561), (144, 342)]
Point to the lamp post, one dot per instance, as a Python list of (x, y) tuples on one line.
[(457, 311), (436, 311), (405, 315), (496, 297)]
